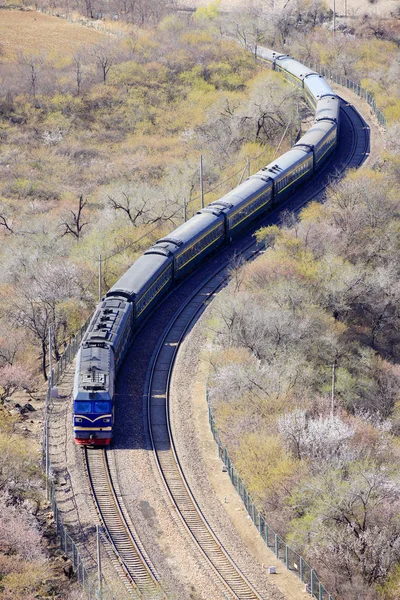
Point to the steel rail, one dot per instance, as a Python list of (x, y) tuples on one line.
[(140, 577), (162, 442), (158, 409)]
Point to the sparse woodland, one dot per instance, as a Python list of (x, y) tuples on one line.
[(99, 150)]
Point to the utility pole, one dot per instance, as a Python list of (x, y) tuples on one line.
[(201, 182), (50, 358), (46, 413), (100, 276), (334, 19), (99, 564), (333, 388)]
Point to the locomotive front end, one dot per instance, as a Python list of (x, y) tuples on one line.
[(93, 416)]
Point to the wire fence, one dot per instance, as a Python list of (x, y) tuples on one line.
[(88, 577), (350, 85), (292, 559), (345, 82)]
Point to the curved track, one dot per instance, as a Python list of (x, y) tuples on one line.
[(158, 394), (138, 571), (140, 578), (192, 518)]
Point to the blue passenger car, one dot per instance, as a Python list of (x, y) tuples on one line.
[(316, 88), (288, 171), (328, 109), (193, 241), (320, 139), (145, 281), (245, 203)]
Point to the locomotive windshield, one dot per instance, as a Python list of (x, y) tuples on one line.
[(83, 407), (102, 407)]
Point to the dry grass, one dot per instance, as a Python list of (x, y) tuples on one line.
[(31, 31)]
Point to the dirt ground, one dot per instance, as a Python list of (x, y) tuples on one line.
[(32, 31)]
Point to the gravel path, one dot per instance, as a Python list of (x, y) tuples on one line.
[(211, 486)]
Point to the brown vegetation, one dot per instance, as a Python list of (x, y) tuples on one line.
[(305, 383)]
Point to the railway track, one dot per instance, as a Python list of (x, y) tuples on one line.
[(139, 575), (167, 460), (219, 561)]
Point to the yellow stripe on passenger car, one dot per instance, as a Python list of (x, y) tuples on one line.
[(293, 181), (156, 294), (249, 215), (202, 250)]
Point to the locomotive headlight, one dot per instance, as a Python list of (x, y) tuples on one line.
[(78, 420), (107, 420)]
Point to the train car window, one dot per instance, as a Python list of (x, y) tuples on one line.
[(102, 407), (83, 407)]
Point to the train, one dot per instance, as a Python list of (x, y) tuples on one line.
[(172, 258)]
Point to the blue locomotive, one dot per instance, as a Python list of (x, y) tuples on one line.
[(172, 258)]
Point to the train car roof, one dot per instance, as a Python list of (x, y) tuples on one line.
[(285, 61), (328, 107), (267, 53), (187, 232), (108, 321), (243, 192), (284, 163), (139, 275), (318, 87), (316, 133), (294, 67)]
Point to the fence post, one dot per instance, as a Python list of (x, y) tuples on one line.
[(276, 545), (287, 556), (312, 581), (301, 569)]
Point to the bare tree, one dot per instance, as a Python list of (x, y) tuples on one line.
[(78, 63), (142, 204), (4, 222), (75, 226), (37, 304), (32, 64), (105, 54)]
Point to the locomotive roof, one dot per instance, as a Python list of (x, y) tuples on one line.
[(140, 275), (94, 367), (108, 320)]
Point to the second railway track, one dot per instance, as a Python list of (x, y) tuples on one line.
[(220, 563)]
